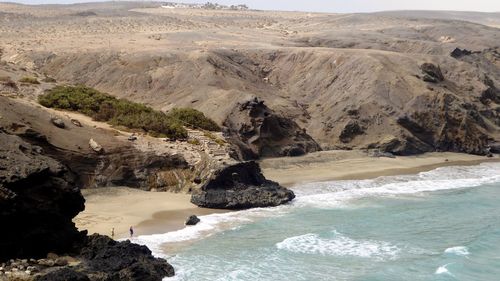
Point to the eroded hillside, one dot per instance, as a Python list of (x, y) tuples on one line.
[(382, 80)]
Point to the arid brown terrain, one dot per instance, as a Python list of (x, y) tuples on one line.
[(277, 83), (349, 80)]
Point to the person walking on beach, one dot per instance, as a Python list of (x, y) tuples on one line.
[(131, 231), (113, 233)]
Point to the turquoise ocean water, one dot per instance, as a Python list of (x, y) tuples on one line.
[(438, 225)]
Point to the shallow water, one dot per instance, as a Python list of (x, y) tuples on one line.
[(438, 225)]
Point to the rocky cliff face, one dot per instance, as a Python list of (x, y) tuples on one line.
[(107, 260), (118, 162), (255, 131), (241, 186), (38, 200)]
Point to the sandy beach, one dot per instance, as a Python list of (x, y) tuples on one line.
[(345, 165), (147, 212), (158, 212)]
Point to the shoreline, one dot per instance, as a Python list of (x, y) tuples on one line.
[(357, 165), (148, 212), (162, 212)]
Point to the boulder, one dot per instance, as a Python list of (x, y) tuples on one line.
[(432, 73), (76, 123), (458, 53), (240, 186), (95, 146), (494, 147), (59, 123), (192, 220)]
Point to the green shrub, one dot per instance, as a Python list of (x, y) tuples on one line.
[(121, 112), (29, 80), (118, 112), (194, 142), (193, 118)]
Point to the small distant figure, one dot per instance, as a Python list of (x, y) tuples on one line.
[(131, 231), (113, 233)]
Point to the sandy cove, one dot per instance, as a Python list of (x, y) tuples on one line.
[(161, 212), (122, 207)]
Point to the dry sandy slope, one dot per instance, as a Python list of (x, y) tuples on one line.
[(326, 71)]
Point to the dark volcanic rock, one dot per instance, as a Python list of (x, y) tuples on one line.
[(38, 201), (432, 73), (458, 53), (491, 94), (112, 260), (241, 186), (63, 274), (350, 131), (255, 131), (192, 220), (494, 147), (445, 125)]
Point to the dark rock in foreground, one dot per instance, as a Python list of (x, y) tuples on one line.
[(241, 186), (112, 260), (38, 200), (63, 274)]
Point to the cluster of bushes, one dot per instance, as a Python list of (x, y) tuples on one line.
[(194, 119), (29, 80), (121, 112)]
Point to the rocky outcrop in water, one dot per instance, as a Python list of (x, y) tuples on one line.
[(255, 131), (107, 260), (192, 220), (38, 200), (241, 186)]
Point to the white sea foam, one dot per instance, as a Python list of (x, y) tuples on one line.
[(459, 251), (443, 270), (339, 193), (339, 245), (207, 226), (334, 194)]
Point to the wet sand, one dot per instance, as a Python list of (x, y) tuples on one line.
[(350, 165), (161, 212), (147, 212)]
